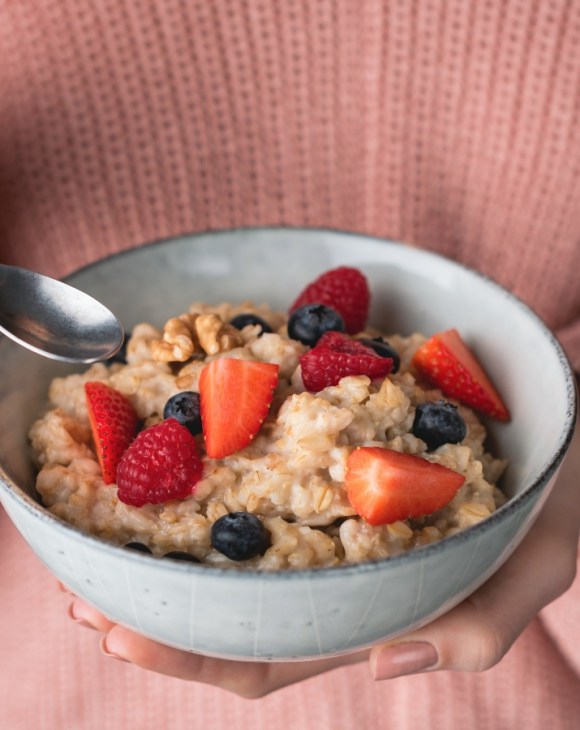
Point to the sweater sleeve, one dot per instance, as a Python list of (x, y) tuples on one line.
[(569, 337)]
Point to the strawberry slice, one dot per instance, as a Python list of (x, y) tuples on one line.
[(384, 486), (346, 290), (113, 423), (446, 361), (235, 399)]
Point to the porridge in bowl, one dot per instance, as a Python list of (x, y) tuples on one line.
[(242, 437)]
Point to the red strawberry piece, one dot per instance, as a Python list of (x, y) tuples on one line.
[(114, 424), (384, 486), (335, 356), (346, 290), (235, 399), (446, 361), (161, 464)]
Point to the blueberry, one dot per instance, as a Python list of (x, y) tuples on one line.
[(184, 407), (382, 348), (138, 547), (438, 423), (240, 536), (309, 322), (181, 555), (243, 320)]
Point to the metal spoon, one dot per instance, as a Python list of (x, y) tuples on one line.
[(54, 319)]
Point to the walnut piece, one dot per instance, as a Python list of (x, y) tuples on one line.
[(194, 334), (179, 340), (215, 335)]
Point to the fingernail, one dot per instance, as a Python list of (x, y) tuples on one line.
[(399, 659), (107, 652), (78, 619)]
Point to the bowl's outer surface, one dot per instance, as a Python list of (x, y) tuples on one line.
[(307, 613)]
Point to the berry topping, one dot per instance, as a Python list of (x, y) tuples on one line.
[(243, 320), (446, 361), (384, 486), (344, 289), (382, 348), (309, 322), (161, 464), (113, 423), (240, 536), (438, 423), (235, 399), (181, 555), (335, 356), (138, 547), (185, 408)]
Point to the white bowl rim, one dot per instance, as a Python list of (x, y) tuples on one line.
[(503, 513)]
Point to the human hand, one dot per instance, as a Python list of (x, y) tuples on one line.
[(476, 634), (472, 637), (246, 679)]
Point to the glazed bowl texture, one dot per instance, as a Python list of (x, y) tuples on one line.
[(304, 613)]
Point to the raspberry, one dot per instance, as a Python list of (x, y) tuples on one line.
[(336, 356), (346, 290), (161, 464)]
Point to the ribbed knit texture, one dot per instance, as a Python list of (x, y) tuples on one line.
[(447, 124)]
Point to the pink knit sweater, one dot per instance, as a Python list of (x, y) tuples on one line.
[(448, 124)]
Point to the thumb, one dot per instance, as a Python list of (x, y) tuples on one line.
[(469, 638), (476, 634)]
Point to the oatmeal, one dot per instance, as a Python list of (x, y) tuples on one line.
[(291, 484)]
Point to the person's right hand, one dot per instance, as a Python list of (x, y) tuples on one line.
[(477, 633)]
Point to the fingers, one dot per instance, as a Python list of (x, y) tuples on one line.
[(84, 614), (121, 643), (246, 679)]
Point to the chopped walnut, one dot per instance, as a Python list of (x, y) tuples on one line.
[(179, 340), (215, 335), (194, 334)]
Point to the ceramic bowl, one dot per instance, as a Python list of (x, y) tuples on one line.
[(304, 613)]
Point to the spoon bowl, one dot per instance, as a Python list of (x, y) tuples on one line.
[(55, 319)]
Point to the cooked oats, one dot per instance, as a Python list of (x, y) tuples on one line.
[(291, 475)]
